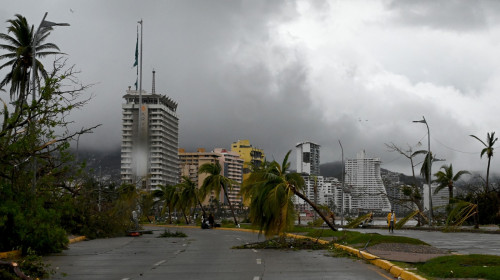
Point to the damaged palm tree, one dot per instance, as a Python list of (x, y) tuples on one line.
[(271, 188)]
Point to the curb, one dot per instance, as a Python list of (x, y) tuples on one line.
[(77, 239), (393, 269), (10, 254), (17, 253)]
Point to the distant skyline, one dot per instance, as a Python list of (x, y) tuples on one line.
[(283, 72)]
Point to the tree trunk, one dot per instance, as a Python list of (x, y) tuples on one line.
[(487, 189), (202, 209), (185, 217), (450, 194), (229, 202), (315, 208)]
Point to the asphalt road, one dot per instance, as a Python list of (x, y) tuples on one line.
[(204, 254), (458, 242)]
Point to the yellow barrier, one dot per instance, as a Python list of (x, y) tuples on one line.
[(10, 255)]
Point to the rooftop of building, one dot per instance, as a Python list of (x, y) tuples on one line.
[(307, 142), (163, 99)]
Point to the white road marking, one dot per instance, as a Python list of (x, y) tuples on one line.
[(184, 245), (256, 278), (259, 261), (129, 278), (160, 262), (255, 251), (238, 238)]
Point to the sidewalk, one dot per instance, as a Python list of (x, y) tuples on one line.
[(454, 242)]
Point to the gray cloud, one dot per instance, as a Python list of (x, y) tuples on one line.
[(456, 15), (282, 72)]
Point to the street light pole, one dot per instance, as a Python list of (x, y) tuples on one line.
[(429, 166), (343, 179), (45, 24)]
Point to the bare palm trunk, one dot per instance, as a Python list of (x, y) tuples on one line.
[(450, 194), (315, 208), (185, 217), (202, 209), (229, 202), (169, 215), (487, 189)]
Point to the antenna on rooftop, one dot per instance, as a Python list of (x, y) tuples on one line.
[(153, 89)]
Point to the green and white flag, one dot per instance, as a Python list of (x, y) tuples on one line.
[(137, 49)]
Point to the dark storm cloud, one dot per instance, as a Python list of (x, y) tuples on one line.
[(282, 72)]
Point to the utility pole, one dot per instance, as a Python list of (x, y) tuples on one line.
[(429, 169), (343, 184)]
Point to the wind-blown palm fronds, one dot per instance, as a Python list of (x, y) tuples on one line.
[(460, 212), (446, 178), (19, 55), (215, 181), (270, 188), (488, 150)]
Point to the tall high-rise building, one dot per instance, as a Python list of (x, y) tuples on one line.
[(367, 189), (307, 158), (149, 155), (249, 154)]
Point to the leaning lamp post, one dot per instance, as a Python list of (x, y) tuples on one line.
[(429, 166), (34, 42)]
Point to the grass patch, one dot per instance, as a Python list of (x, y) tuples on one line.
[(168, 233), (466, 266), (354, 237)]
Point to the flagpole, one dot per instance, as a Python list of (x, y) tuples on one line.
[(136, 58), (139, 146)]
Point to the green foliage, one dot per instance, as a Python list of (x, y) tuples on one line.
[(269, 190), (465, 266), (215, 182), (30, 226), (446, 179), (31, 265), (19, 54), (316, 223), (488, 206)]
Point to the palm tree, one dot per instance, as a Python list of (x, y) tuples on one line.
[(189, 196), (488, 150), (215, 181), (446, 178), (271, 188), (20, 54), (424, 170), (167, 195)]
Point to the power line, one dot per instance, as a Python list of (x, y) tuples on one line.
[(453, 149)]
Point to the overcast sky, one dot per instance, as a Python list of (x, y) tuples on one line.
[(282, 72)]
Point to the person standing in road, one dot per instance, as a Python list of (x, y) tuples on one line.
[(391, 220)]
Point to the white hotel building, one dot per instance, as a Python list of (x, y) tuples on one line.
[(367, 189), (157, 161)]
